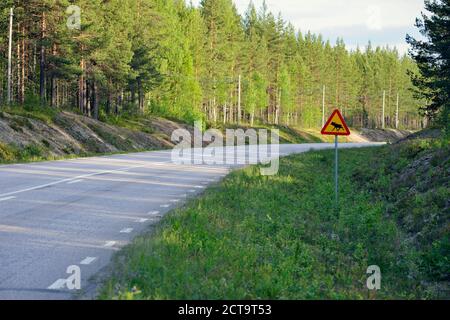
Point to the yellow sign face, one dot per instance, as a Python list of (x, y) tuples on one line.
[(336, 125)]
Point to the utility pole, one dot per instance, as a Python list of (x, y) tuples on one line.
[(397, 112), (383, 124), (239, 100), (323, 107), (10, 56)]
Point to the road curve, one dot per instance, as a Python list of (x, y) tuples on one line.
[(79, 212)]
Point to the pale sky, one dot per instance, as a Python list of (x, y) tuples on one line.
[(384, 22)]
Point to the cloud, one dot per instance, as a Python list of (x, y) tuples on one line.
[(344, 17), (374, 18)]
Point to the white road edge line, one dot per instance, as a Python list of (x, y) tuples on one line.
[(110, 244), (68, 180), (7, 198), (88, 260), (75, 181)]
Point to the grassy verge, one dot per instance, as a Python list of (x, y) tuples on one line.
[(44, 114), (34, 152), (141, 123), (288, 135), (10, 154), (254, 237)]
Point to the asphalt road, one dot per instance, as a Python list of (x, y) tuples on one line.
[(79, 212)]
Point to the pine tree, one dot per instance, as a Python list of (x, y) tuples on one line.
[(173, 59), (433, 59)]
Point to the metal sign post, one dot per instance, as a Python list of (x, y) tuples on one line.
[(336, 173), (336, 127)]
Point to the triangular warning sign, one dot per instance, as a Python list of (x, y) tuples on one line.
[(336, 125)]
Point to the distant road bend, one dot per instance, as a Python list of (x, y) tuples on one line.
[(80, 211)]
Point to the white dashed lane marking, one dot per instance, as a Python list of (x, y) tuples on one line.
[(141, 220), (88, 260), (126, 230), (58, 284), (174, 200), (165, 205), (153, 213)]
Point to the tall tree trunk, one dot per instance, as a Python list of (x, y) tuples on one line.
[(81, 89), (33, 73), (225, 113), (88, 98), (140, 96), (110, 98), (19, 68), (96, 98), (214, 110), (133, 94), (119, 102), (231, 111), (22, 83), (42, 60), (54, 85), (52, 91)]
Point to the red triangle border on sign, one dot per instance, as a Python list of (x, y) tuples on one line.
[(347, 130)]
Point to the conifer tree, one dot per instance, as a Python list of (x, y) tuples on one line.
[(433, 59)]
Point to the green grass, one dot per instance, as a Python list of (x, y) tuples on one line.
[(279, 237), (30, 153), (10, 154), (140, 123), (42, 113)]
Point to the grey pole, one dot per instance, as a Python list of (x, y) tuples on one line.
[(239, 101), (10, 56), (323, 107), (397, 112), (383, 119), (336, 174)]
